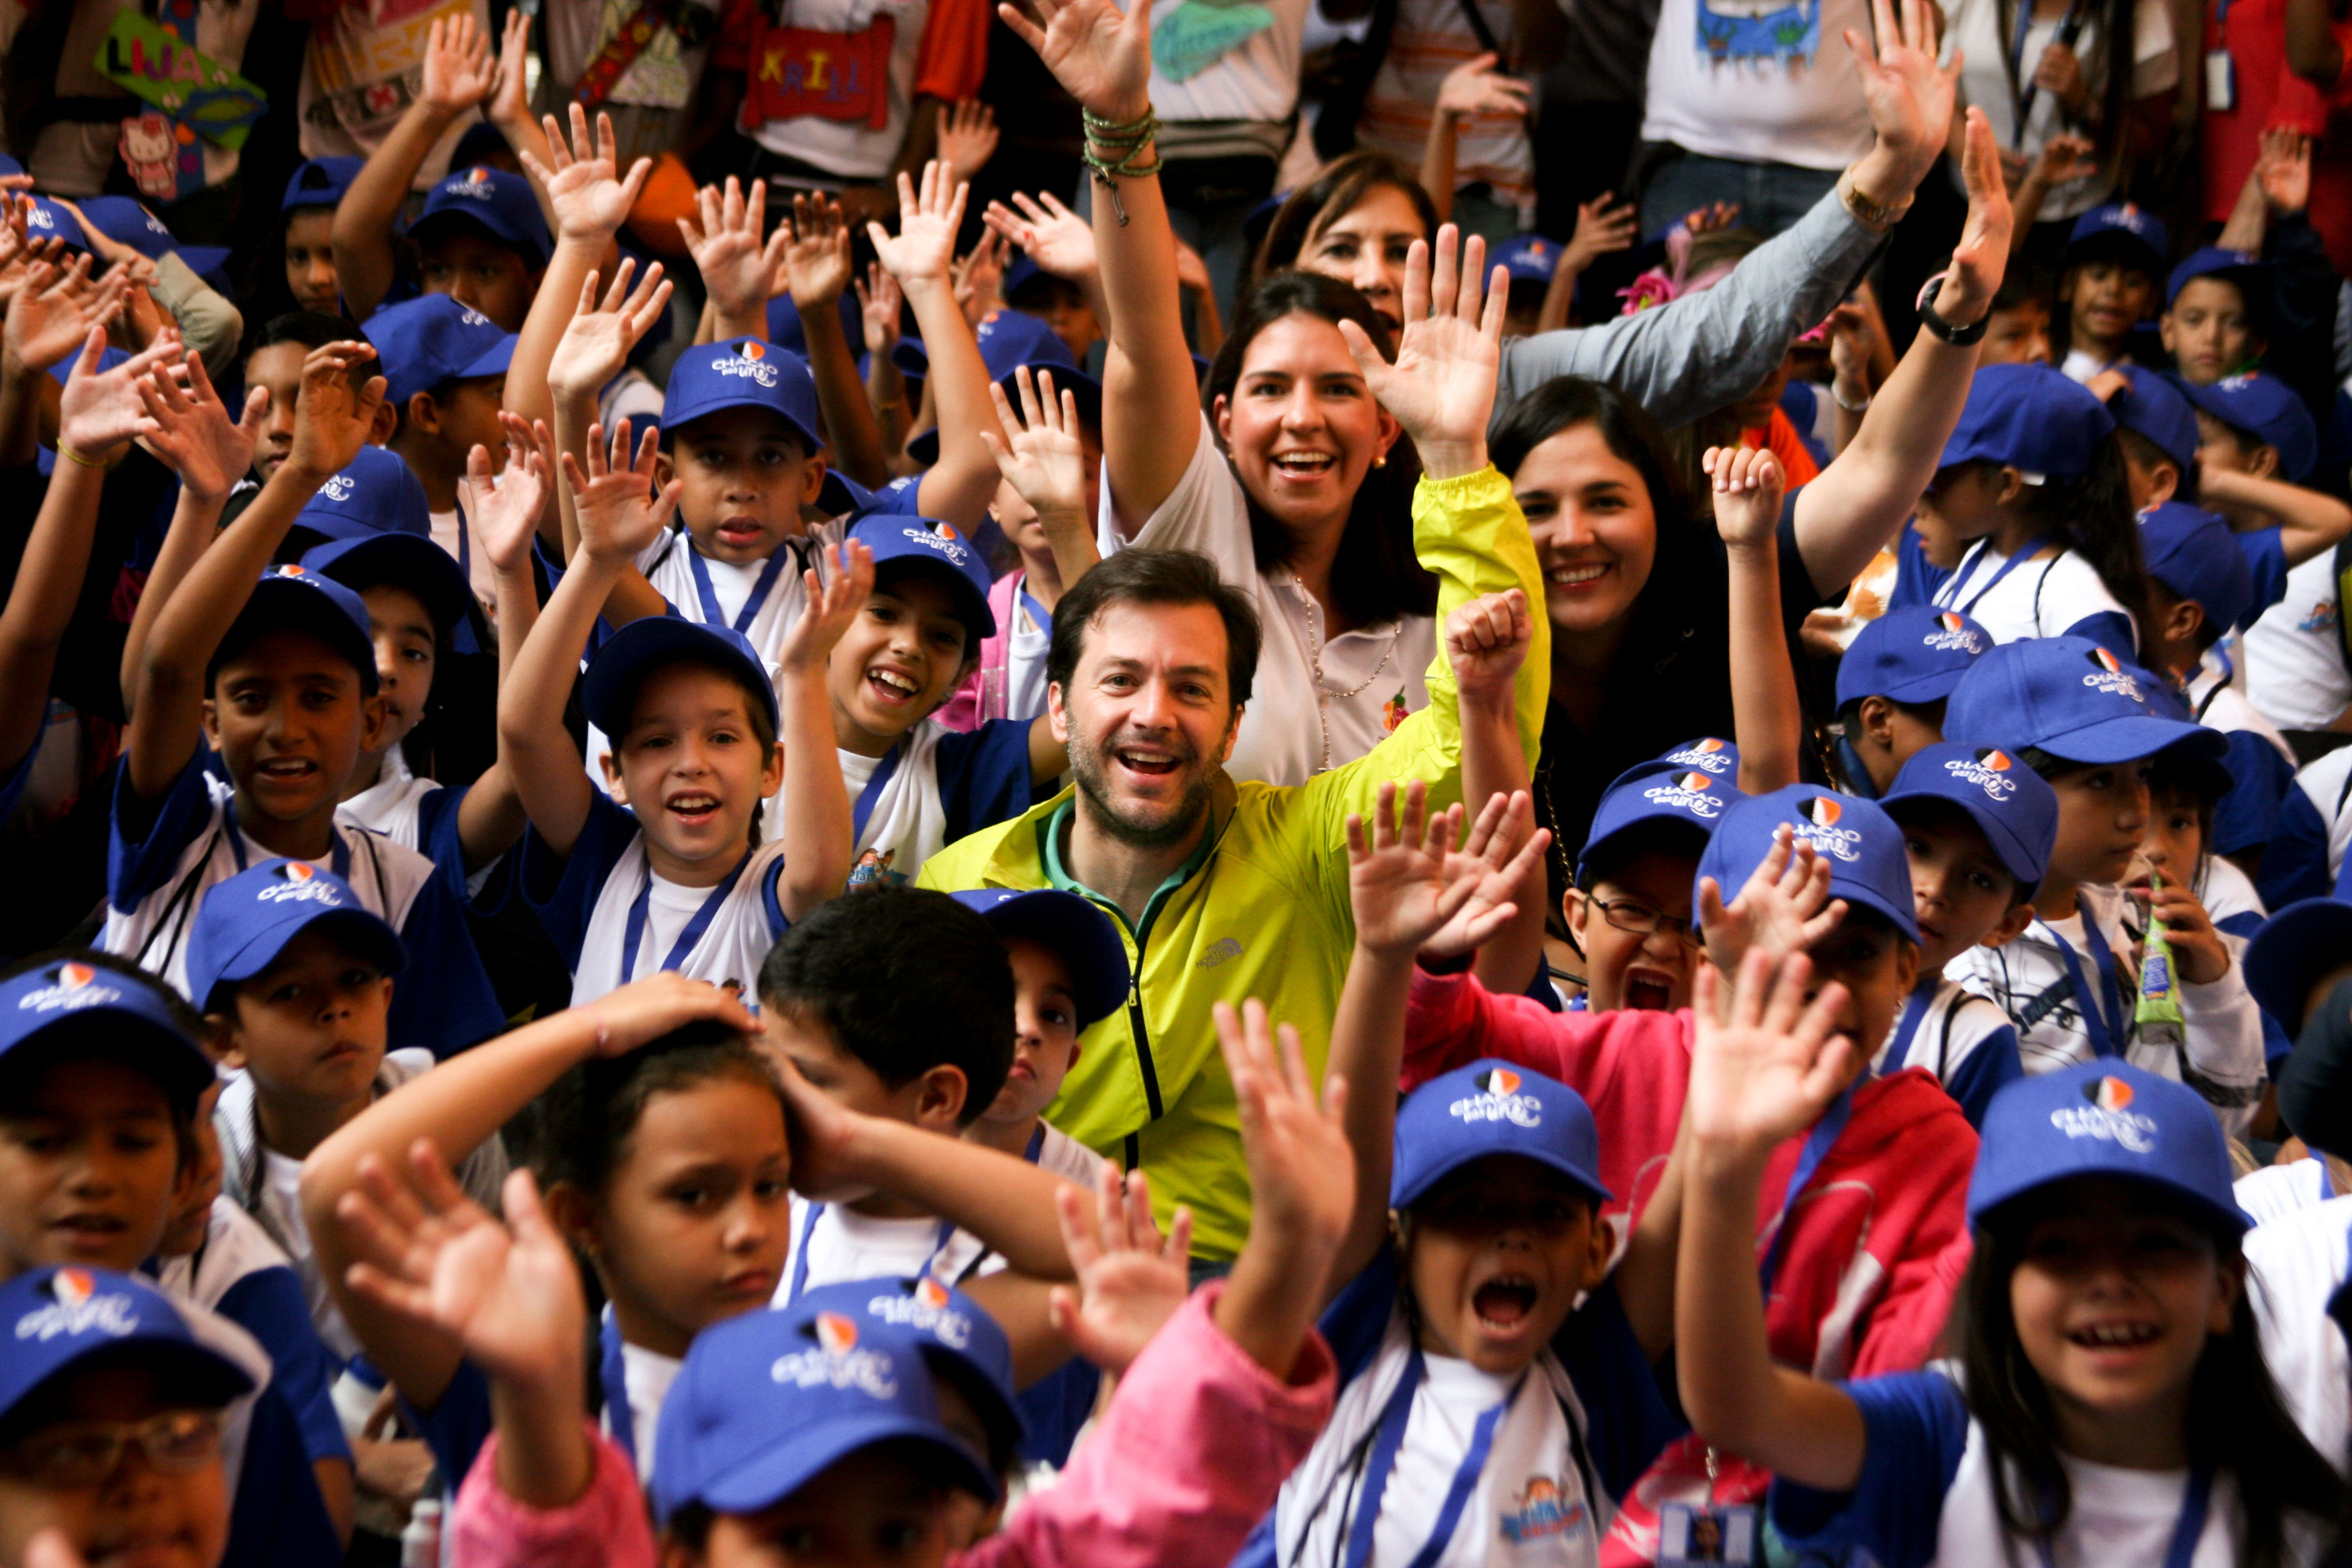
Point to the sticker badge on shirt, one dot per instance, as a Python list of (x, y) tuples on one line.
[(1759, 30), (1689, 1535), (1540, 1511)]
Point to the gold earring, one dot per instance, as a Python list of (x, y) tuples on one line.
[(1381, 461)]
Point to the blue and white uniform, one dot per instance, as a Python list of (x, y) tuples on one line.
[(2017, 597), (420, 815), (1967, 1042), (935, 787), (832, 1244)]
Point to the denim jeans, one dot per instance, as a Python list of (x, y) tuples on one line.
[(1771, 197)]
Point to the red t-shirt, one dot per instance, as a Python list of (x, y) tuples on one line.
[(2269, 94)]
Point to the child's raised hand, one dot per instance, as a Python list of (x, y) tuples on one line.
[(968, 136), (922, 252), (2284, 170), (823, 1134), (1477, 87), (460, 71), (614, 501), (1981, 258), (878, 301), (1399, 884), (1764, 1062), (1502, 849), (1130, 1279), (510, 1296), (1057, 239), (1782, 910), (585, 188), (505, 508), (1302, 1169), (817, 268), (54, 309), (1038, 450), (1442, 386), (1101, 53), (331, 420), (193, 430), (830, 608), (978, 280), (1604, 225), (738, 267), (509, 100), (637, 1014), (99, 410), (595, 345), (1487, 640), (1746, 493), (2198, 950)]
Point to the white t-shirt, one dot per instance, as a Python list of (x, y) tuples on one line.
[(841, 1244), (906, 823), (2295, 1265), (1311, 695), (853, 149), (1025, 661), (1060, 1154), (281, 1181), (2276, 1192), (1256, 79), (2221, 706), (648, 1374), (1765, 109), (1973, 28), (2295, 652), (2038, 599), (2326, 782)]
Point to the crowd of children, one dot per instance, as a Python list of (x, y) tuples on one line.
[(782, 894)]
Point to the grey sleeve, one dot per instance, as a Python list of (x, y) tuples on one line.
[(1689, 358), (211, 325)]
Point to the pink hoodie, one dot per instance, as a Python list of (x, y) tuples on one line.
[(1877, 1240), (1185, 1462)]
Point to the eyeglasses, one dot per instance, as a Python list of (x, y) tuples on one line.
[(85, 1453), (1640, 919)]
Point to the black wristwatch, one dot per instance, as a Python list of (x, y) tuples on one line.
[(1959, 337)]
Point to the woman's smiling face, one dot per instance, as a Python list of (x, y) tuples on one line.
[(1367, 246), (1301, 424), (1596, 532)]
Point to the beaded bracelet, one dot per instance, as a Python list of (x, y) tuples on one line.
[(1127, 139)]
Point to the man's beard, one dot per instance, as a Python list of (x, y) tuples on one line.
[(1087, 770)]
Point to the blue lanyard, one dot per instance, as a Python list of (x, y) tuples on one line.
[(2326, 1183), (614, 1374), (1808, 1160), (1393, 1420), (2104, 1024), (863, 811), (339, 858), (1898, 1055), (2024, 552), (1037, 1147), (713, 615), (2187, 1530), (1039, 613), (636, 931), (808, 1234)]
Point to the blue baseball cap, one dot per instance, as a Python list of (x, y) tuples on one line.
[(1914, 653), (2196, 557), (1072, 927), (2030, 417), (2152, 406), (2266, 408), (432, 339), (68, 1000), (608, 693), (45, 219), (2123, 227), (1649, 793), (769, 1401), (376, 494), (2013, 805), (963, 1344), (58, 1317), (403, 560), (943, 550), (1492, 1106), (128, 222), (243, 924), (2068, 697), (292, 598), (1009, 339), (743, 373), (2103, 1117), (320, 183), (500, 201), (2294, 948), (2247, 271), (1868, 866), (1528, 258)]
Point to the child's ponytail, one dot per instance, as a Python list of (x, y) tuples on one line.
[(2092, 515), (2236, 1420)]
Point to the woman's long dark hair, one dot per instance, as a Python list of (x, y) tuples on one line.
[(1375, 577), (2092, 515), (1331, 194), (2236, 1420)]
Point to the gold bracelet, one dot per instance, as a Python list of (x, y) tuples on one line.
[(1875, 216), (70, 456)]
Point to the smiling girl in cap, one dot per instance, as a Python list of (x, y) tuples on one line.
[(2111, 1404)]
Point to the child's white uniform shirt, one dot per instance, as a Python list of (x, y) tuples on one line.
[(1060, 1154), (1927, 1496), (2294, 1267), (1966, 1040), (420, 815), (2035, 599), (2030, 980), (2276, 1192), (832, 1243), (2295, 652), (2219, 705), (648, 1374), (2328, 785)]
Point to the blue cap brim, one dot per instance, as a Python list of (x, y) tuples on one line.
[(2014, 857), (362, 932), (783, 1467), (608, 691), (280, 604), (1404, 1194), (1081, 933), (2129, 739), (494, 363), (1931, 687), (1996, 1194), (178, 1062), (969, 599), (360, 560), (2293, 948)]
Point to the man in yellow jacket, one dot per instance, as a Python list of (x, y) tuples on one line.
[(1224, 890)]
